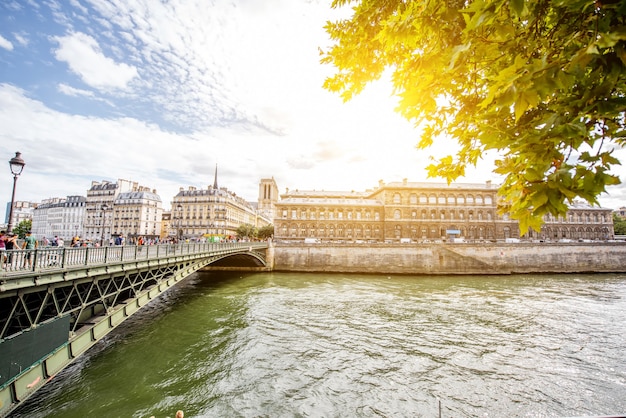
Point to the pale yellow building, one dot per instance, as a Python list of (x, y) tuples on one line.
[(420, 212)]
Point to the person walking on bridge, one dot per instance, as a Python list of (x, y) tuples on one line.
[(30, 244)]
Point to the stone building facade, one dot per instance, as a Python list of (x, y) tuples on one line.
[(211, 213), (22, 211), (417, 212), (582, 222), (61, 217), (214, 213), (268, 196), (137, 213), (99, 208)]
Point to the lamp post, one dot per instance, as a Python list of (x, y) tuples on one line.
[(179, 231), (17, 165), (104, 208)]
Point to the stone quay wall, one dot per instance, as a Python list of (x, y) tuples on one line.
[(479, 258)]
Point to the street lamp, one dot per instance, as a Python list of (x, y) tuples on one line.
[(179, 231), (104, 208), (17, 165)]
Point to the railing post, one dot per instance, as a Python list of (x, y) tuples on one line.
[(33, 263)]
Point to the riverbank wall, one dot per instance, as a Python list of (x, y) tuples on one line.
[(479, 258)]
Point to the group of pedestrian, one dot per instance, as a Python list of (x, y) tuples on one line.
[(8, 242)]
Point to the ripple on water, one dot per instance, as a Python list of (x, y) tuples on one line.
[(330, 345)]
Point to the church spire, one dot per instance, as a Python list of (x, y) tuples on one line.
[(215, 181)]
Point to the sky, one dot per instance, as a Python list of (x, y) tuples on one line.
[(161, 92)]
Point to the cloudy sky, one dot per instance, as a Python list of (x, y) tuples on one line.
[(160, 92)]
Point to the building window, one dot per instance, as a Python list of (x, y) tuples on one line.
[(413, 199), (397, 198), (396, 214), (423, 199)]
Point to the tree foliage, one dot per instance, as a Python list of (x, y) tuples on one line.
[(266, 232), (542, 82), (22, 228), (246, 231), (619, 225)]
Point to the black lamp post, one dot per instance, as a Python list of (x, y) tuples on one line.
[(104, 208), (17, 165), (179, 231)]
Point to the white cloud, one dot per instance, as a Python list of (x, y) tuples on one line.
[(85, 58), (21, 39), (71, 91), (240, 82), (5, 43)]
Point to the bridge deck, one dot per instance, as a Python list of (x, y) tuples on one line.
[(20, 267)]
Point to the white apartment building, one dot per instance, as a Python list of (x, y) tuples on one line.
[(138, 213), (22, 211), (62, 217), (99, 207)]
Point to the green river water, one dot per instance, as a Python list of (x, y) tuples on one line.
[(333, 345)]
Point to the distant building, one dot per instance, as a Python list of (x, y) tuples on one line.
[(213, 213), (582, 222), (99, 207), (62, 217), (268, 196), (621, 212), (22, 211), (137, 213), (417, 212), (166, 218)]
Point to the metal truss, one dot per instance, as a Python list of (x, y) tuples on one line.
[(81, 298)]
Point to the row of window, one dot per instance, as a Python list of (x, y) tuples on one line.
[(578, 218), (332, 214), (425, 214), (444, 199)]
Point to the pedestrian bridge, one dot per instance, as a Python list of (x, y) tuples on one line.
[(55, 303)]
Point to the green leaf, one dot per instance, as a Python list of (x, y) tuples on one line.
[(517, 6)]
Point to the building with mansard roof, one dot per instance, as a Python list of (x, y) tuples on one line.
[(137, 213), (214, 213), (419, 212), (99, 207)]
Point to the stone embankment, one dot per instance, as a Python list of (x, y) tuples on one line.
[(482, 258)]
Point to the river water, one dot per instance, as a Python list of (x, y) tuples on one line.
[(333, 345)]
